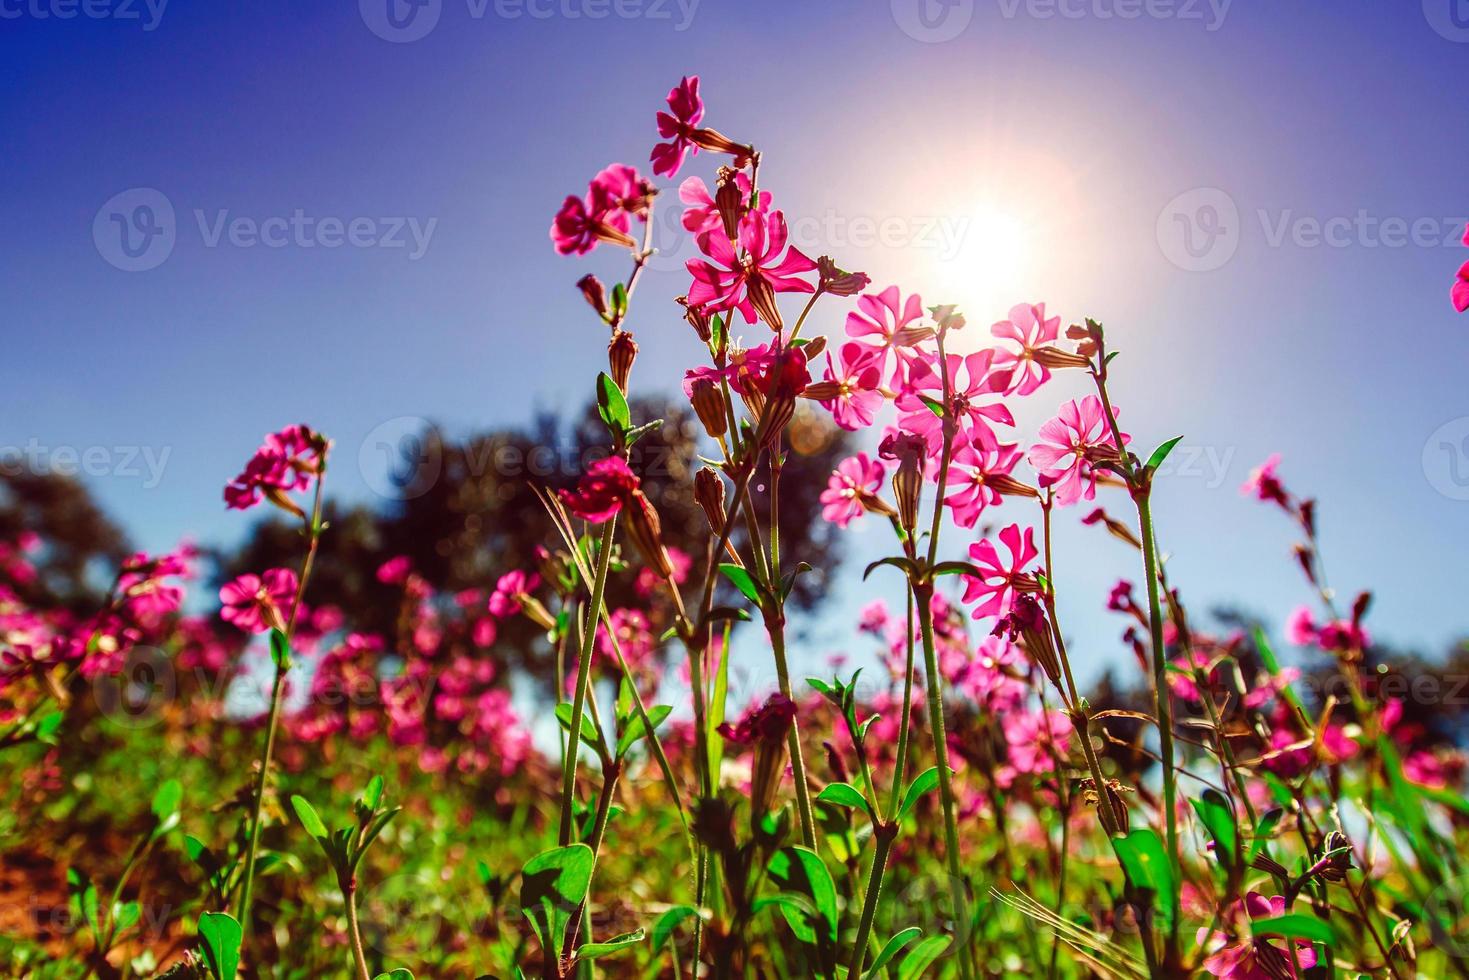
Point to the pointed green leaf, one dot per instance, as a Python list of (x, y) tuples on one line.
[(306, 813), (916, 964), (221, 936), (924, 782), (565, 710), (1295, 926), (844, 794), (553, 885), (636, 729), (612, 406), (890, 949), (800, 870), (669, 921), (590, 951), (1218, 818), (280, 650), (742, 581), (1161, 453)]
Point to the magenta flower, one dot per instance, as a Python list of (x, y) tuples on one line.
[(395, 571), (142, 586), (256, 603), (602, 490), (855, 480), (745, 282), (1264, 485), (858, 380), (974, 473), (971, 379), (601, 216), (677, 126), (999, 582), (285, 462), (1460, 292), (1034, 739), (1069, 448), (1028, 328), (1251, 957), (510, 592), (881, 319)]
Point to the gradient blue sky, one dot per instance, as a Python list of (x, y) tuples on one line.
[(1053, 142)]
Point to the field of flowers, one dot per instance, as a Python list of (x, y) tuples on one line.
[(391, 808)]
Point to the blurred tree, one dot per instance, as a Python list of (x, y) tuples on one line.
[(80, 548)]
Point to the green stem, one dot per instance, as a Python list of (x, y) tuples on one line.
[(1165, 708), (793, 739), (359, 955), (924, 597), (885, 836), (583, 679)]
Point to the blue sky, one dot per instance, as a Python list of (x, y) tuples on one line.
[(987, 152)]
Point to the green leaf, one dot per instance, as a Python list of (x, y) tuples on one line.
[(1161, 453), (1218, 818), (742, 581), (633, 435), (280, 650), (924, 782), (1295, 926), (398, 974), (124, 915), (789, 581), (166, 800), (845, 794), (590, 951), (373, 794), (800, 870), (669, 921), (916, 963), (957, 568), (636, 729), (565, 710), (221, 936), (934, 405), (553, 886), (619, 299), (906, 565), (612, 406), (892, 948), (48, 726), (1263, 830), (306, 813), (1147, 866)]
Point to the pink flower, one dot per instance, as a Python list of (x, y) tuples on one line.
[(634, 638), (256, 603), (858, 382), (1263, 484), (1460, 292), (143, 588), (881, 318), (601, 216), (732, 282), (686, 109), (602, 490), (973, 474), (394, 571), (999, 582), (971, 378), (1069, 447), (1035, 738), (1029, 328), (510, 592), (856, 478), (1255, 957), (285, 462)]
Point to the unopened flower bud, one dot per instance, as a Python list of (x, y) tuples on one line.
[(730, 202), (696, 318), (621, 352), (766, 728), (1026, 624), (909, 450), (947, 317), (711, 407), (781, 384), (837, 281), (646, 531), (1009, 486), (595, 293), (1055, 357), (709, 492), (1116, 528), (762, 297), (1109, 796), (1335, 867), (912, 336), (814, 348), (713, 139), (537, 613)]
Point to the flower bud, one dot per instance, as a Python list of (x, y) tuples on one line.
[(762, 297), (731, 203), (621, 352), (1055, 357), (837, 281), (813, 348), (709, 492), (766, 728), (1026, 623), (909, 450), (595, 293), (1335, 867), (696, 318), (711, 407), (646, 531)]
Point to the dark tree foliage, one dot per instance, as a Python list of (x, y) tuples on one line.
[(469, 512), (82, 548)]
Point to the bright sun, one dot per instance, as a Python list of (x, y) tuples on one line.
[(983, 262)]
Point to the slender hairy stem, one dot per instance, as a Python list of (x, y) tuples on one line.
[(359, 955), (885, 836), (583, 678)]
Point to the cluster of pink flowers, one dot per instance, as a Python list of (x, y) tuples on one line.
[(285, 462), (1460, 292)]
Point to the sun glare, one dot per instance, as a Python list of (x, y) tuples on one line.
[(986, 262)]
